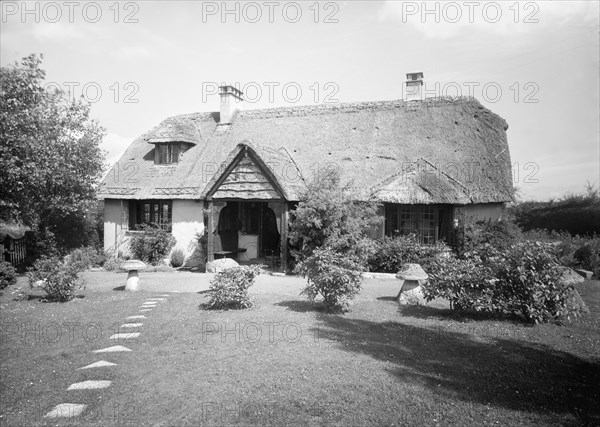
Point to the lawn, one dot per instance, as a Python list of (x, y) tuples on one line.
[(285, 362)]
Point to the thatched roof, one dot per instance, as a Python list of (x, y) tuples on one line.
[(434, 151), (12, 230), (172, 129)]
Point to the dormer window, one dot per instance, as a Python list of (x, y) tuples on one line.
[(168, 153)]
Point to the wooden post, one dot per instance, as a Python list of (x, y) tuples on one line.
[(284, 239), (211, 229)]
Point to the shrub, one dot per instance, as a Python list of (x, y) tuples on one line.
[(177, 258), (8, 275), (588, 256), (335, 276), (572, 251), (466, 283), (485, 237), (85, 258), (523, 279), (112, 264), (530, 282), (229, 288), (152, 245), (58, 279), (391, 253)]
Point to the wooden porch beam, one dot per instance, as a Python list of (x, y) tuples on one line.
[(284, 237), (211, 237)]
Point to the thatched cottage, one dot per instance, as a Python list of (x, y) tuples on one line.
[(233, 175)]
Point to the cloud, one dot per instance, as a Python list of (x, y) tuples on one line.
[(446, 19), (134, 53), (58, 31)]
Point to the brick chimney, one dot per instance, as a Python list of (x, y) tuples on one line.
[(230, 96), (414, 86)]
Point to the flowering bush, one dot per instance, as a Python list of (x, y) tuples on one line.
[(391, 253), (58, 279), (530, 283), (84, 258), (523, 279), (8, 275), (229, 288), (485, 238), (467, 284), (152, 245), (335, 276)]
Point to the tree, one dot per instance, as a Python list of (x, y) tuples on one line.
[(329, 215), (331, 229), (49, 149)]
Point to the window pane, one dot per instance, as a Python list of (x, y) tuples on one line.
[(155, 217), (161, 149), (409, 219), (175, 152)]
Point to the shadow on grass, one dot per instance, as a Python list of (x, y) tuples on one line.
[(388, 298), (119, 288), (500, 371), (46, 299), (301, 306), (427, 312)]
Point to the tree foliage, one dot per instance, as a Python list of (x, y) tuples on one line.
[(575, 213), (329, 215), (49, 149), (330, 230)]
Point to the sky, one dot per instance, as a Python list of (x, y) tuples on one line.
[(536, 64)]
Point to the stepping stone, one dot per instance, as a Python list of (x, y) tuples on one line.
[(147, 309), (89, 385), (113, 349), (141, 316), (99, 364), (164, 295), (131, 325), (66, 410), (125, 336)]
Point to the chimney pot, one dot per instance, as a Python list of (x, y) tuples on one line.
[(414, 86), (230, 95)]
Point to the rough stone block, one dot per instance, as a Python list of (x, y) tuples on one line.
[(219, 265)]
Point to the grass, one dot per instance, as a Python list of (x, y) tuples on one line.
[(285, 362)]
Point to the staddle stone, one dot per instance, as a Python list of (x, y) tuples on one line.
[(133, 280)]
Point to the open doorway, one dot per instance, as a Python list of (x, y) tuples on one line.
[(248, 231)]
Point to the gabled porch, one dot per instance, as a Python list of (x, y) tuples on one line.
[(247, 209)]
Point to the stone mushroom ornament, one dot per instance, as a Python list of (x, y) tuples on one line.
[(412, 277), (132, 266)]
